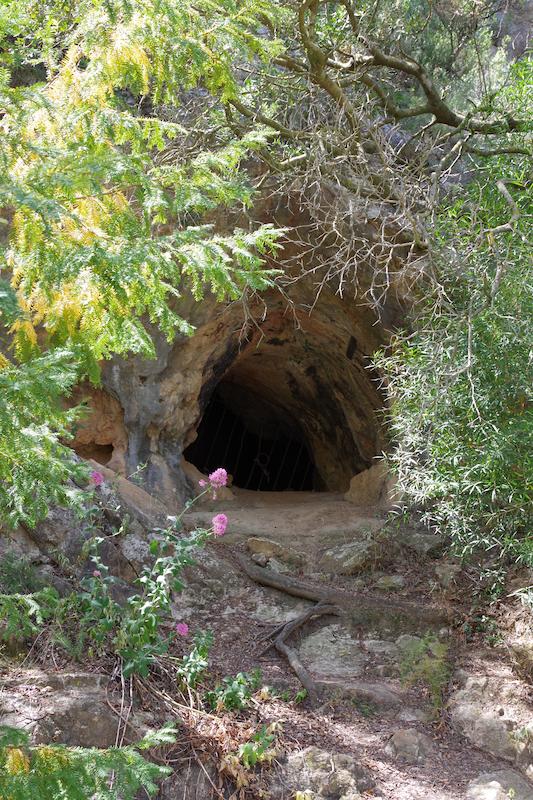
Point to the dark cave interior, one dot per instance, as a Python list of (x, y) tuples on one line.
[(260, 446)]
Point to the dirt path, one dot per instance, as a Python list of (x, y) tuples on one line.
[(360, 660)]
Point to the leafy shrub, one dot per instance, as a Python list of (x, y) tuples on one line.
[(259, 748), (104, 225), (459, 385), (234, 693), (34, 465), (194, 665)]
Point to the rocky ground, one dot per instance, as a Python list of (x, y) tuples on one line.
[(416, 697)]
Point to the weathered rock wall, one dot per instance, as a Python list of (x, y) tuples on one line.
[(311, 370), (298, 358)]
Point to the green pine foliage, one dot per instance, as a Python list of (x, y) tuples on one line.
[(34, 465), (105, 205), (23, 615), (55, 772)]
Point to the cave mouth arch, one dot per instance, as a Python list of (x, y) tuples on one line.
[(292, 407), (261, 446)]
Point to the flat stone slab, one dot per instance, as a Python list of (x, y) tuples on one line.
[(62, 708), (332, 651), (349, 558), (409, 745)]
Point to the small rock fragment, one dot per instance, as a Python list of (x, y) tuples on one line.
[(409, 745), (391, 583)]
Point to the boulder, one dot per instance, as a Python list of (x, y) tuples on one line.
[(447, 573), (409, 745), (278, 566), (20, 544), (425, 544), (501, 785), (373, 487), (194, 476), (134, 499), (347, 559)]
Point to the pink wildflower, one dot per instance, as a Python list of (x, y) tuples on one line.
[(182, 628), (97, 478), (97, 573), (218, 478), (220, 523), (202, 483)]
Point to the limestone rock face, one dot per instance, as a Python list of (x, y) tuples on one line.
[(304, 373), (60, 708), (101, 434), (501, 785), (494, 713), (317, 773)]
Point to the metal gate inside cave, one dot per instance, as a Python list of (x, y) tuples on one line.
[(258, 445)]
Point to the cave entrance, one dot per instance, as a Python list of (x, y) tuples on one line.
[(262, 447)]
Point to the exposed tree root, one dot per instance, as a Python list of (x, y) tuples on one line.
[(339, 597), (291, 655)]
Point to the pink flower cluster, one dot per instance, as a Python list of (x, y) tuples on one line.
[(182, 628), (218, 478), (215, 481), (220, 523), (97, 478)]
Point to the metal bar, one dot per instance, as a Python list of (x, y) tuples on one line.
[(310, 465), (215, 437), (243, 434), (296, 464), (224, 457), (282, 463)]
